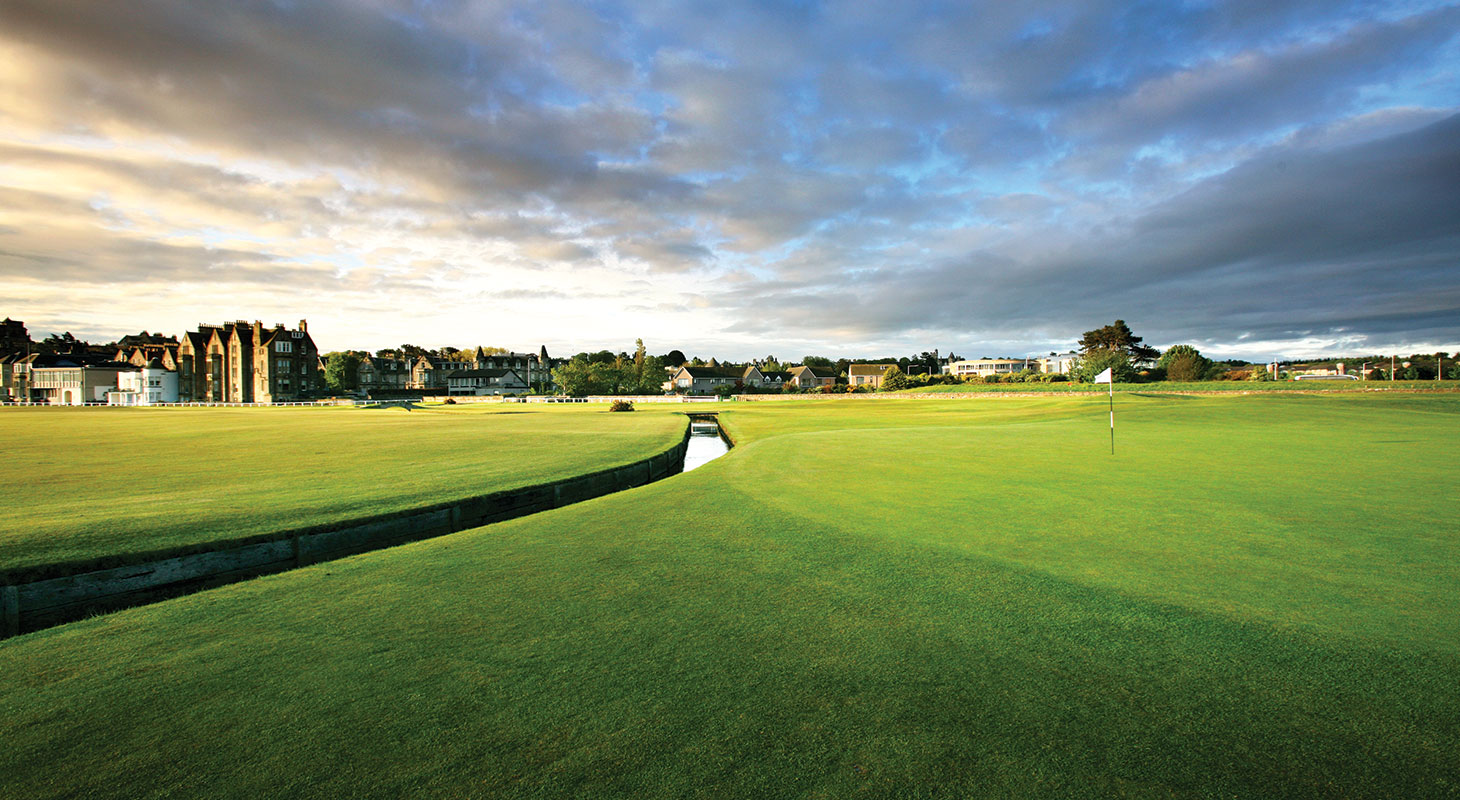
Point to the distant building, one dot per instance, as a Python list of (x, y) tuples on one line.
[(68, 379), (429, 373), (804, 377), (239, 362), (377, 373), (771, 379), (14, 339), (984, 367), (148, 385), (707, 379), (485, 382), (867, 374), (1060, 363), (138, 355)]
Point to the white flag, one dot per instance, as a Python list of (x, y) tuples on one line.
[(1105, 377)]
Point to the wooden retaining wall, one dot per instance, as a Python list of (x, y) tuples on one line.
[(42, 604)]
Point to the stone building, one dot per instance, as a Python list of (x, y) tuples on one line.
[(14, 339), (434, 373), (239, 362), (378, 373)]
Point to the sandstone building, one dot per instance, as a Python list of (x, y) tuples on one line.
[(239, 362)]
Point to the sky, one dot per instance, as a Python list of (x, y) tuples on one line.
[(1259, 178)]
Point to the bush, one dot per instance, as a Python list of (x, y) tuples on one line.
[(894, 379), (1186, 367), (621, 405), (448, 402), (1183, 362)]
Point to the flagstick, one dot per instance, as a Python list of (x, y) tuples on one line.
[(1112, 413)]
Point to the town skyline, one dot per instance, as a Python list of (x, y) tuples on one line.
[(1274, 180)]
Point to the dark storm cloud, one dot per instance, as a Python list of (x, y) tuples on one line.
[(1363, 241)]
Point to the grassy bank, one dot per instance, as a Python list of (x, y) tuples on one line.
[(94, 485), (882, 599)]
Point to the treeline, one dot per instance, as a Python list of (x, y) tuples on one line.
[(605, 373)]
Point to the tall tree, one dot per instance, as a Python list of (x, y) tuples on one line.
[(639, 357), (1117, 336), (341, 370)]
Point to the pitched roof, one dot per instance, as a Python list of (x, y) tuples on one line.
[(820, 372), (481, 373), (868, 369), (777, 376), (714, 372)]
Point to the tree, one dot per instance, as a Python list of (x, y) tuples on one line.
[(674, 358), (575, 377), (1117, 336), (64, 343), (341, 370), (1086, 367), (893, 379), (639, 358), (817, 361), (1183, 362), (651, 380)]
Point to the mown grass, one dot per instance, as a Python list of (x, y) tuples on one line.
[(1200, 387), (919, 599), (92, 485)]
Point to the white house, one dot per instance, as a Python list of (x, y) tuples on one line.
[(145, 386), (1061, 363), (983, 367)]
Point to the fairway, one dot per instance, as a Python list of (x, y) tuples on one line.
[(1255, 597), (111, 485)]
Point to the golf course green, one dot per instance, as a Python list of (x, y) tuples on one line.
[(1255, 596)]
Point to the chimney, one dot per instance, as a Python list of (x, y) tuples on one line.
[(304, 326)]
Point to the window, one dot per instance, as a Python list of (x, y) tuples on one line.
[(297, 334), (283, 347), (282, 365)]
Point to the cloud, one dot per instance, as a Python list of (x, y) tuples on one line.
[(728, 174)]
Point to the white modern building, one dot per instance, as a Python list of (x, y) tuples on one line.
[(983, 367), (1061, 363)]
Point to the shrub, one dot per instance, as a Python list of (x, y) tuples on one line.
[(621, 405), (1183, 362), (1186, 367), (448, 402), (894, 379)]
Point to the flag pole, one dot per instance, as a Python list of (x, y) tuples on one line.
[(1112, 414)]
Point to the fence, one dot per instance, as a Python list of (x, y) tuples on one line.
[(41, 604)]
